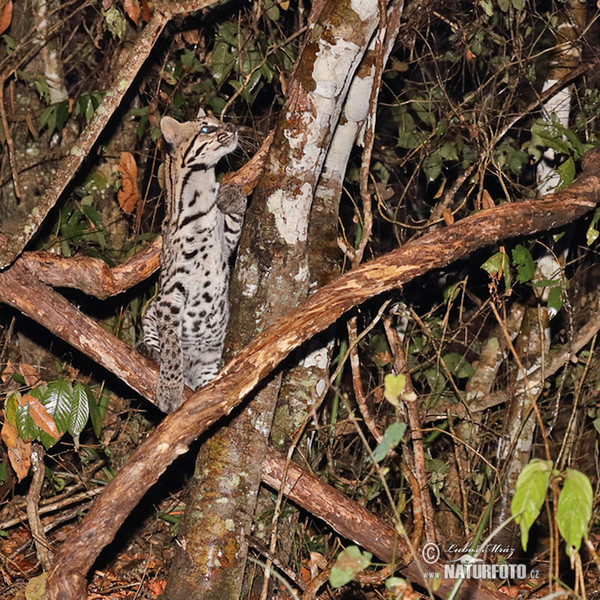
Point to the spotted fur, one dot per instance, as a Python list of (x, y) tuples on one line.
[(184, 326)]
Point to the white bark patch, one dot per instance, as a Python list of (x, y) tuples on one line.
[(365, 9), (317, 358), (290, 212), (332, 65), (302, 274)]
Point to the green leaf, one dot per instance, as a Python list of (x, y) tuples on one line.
[(524, 263), (391, 438), (566, 172), (433, 166), (487, 7), (115, 22), (222, 62), (530, 494), (58, 402), (458, 365), (79, 410), (555, 299), (348, 563), (42, 88), (26, 428), (228, 32), (10, 43), (423, 108), (394, 386), (11, 405), (574, 509), (592, 232), (95, 412), (495, 263)]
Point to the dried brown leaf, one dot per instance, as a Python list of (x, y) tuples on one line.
[(146, 12), (41, 417), (30, 374), (132, 8), (128, 194), (8, 372), (5, 15), (19, 452)]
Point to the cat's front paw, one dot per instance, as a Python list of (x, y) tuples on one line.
[(231, 199)]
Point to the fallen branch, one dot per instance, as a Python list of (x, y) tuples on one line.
[(252, 364)]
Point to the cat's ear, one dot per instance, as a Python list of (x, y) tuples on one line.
[(201, 113), (171, 130)]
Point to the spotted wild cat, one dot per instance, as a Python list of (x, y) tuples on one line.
[(184, 326)]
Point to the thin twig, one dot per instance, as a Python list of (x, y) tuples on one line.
[(44, 552)]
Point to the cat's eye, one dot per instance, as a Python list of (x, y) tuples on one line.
[(207, 129)]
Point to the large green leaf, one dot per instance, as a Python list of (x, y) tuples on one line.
[(574, 509), (79, 410), (530, 494)]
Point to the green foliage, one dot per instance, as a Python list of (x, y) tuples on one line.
[(530, 495), (87, 104), (458, 365), (54, 117), (391, 438), (592, 232), (496, 263), (553, 134), (243, 59), (66, 405), (348, 563), (394, 386), (575, 501), (115, 22), (9, 43), (574, 509), (523, 261)]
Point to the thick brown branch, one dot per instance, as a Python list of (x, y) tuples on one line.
[(92, 275), (173, 436)]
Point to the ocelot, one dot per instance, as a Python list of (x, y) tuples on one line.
[(184, 326)]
